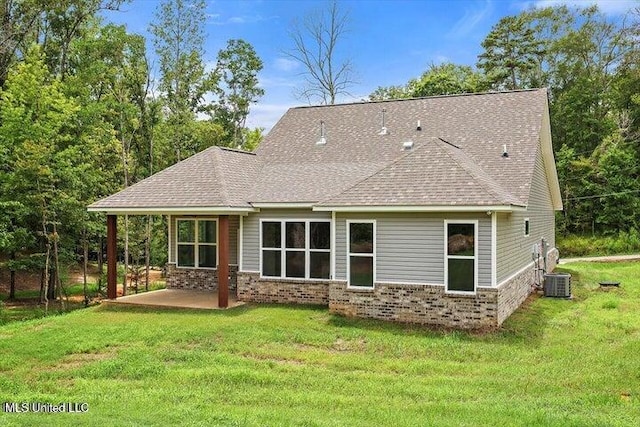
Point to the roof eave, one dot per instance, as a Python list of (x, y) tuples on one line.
[(420, 208), (173, 210)]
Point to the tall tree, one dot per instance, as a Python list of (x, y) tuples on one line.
[(179, 42), (328, 72), (511, 52), (238, 66)]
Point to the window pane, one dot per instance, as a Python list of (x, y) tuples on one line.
[(206, 231), (320, 265), (295, 264), (186, 231), (361, 237), (295, 235), (207, 256), (460, 239), (460, 275), (271, 263), (186, 256), (271, 235), (361, 271), (319, 235)]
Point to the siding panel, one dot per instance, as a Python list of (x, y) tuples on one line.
[(410, 247), (514, 249)]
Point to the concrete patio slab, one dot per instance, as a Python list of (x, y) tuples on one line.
[(176, 298)]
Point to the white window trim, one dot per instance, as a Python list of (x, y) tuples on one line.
[(526, 220), (307, 248), (196, 244), (349, 254), (169, 222), (476, 244)]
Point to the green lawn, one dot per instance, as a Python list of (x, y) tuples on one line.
[(554, 363)]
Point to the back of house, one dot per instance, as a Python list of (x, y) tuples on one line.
[(435, 210)]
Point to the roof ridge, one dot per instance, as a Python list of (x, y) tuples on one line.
[(474, 172), (222, 188), (452, 95)]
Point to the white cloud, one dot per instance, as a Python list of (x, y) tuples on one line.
[(271, 82), (240, 19), (285, 64), (471, 18), (609, 7)]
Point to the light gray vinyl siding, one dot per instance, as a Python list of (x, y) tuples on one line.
[(514, 249), (410, 246), (234, 224), (251, 231)]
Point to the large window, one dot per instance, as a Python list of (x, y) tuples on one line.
[(295, 249), (461, 254), (361, 242), (197, 243)]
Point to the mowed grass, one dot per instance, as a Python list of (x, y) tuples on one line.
[(554, 363)]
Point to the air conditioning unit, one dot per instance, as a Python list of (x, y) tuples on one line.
[(557, 285)]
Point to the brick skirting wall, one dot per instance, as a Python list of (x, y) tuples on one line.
[(410, 303), (198, 279), (252, 288)]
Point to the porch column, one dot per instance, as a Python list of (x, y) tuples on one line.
[(112, 274), (223, 261)]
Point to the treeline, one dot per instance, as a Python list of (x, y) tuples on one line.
[(591, 65), (81, 117)]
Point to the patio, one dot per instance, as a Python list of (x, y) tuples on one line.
[(176, 298)]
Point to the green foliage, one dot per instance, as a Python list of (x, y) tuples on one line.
[(237, 68), (624, 242), (511, 53), (331, 370)]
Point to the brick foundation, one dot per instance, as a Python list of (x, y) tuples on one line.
[(198, 279), (410, 303), (252, 288)]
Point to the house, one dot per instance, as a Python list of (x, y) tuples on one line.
[(434, 210)]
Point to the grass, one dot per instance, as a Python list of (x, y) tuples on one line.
[(554, 363)]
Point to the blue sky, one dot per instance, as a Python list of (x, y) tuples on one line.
[(389, 41)]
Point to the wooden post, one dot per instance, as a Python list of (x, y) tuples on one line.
[(112, 253), (223, 261)]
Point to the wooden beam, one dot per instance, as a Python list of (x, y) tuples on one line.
[(223, 261), (112, 253)]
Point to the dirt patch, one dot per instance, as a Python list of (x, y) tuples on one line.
[(77, 360)]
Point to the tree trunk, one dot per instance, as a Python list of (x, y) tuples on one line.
[(126, 254), (58, 282), (100, 264), (12, 279), (147, 254), (85, 256)]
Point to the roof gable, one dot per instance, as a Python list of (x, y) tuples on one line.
[(436, 173)]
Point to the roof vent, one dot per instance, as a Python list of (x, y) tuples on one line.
[(384, 130), (407, 145), (505, 153), (418, 127), (322, 140)]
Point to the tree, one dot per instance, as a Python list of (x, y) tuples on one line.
[(178, 40), (238, 66), (511, 52), (327, 72), (443, 79)]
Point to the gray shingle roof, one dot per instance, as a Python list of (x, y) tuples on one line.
[(358, 166), (215, 177)]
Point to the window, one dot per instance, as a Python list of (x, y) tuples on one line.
[(297, 249), (197, 243), (361, 242), (460, 256), (526, 227)]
